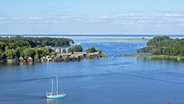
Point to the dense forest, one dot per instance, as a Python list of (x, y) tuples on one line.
[(164, 45), (17, 46)]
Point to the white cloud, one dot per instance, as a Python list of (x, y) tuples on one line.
[(64, 17), (174, 14), (172, 18), (34, 18), (134, 20), (2, 18), (18, 18), (126, 19), (141, 20)]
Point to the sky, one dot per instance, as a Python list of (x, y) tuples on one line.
[(91, 17)]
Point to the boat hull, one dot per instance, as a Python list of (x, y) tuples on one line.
[(58, 96)]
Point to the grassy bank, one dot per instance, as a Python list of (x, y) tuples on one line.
[(156, 56), (108, 38)]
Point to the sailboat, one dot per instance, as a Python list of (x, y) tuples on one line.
[(54, 94)]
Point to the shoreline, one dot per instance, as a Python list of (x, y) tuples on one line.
[(60, 57), (155, 56)]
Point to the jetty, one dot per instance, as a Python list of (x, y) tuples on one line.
[(75, 56)]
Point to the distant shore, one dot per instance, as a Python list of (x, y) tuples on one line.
[(110, 38), (156, 56)]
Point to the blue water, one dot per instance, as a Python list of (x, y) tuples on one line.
[(116, 79)]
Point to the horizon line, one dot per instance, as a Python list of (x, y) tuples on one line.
[(91, 34)]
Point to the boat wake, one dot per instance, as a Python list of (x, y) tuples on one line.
[(24, 80), (18, 97)]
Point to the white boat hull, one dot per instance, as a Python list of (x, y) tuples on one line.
[(55, 96)]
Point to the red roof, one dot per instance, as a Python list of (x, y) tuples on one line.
[(29, 59)]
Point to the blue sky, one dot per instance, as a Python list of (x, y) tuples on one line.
[(92, 16)]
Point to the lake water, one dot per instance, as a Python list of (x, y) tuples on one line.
[(113, 80)]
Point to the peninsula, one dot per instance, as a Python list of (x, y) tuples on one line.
[(162, 47), (28, 49)]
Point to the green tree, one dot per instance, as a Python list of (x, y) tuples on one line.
[(39, 52), (99, 51), (2, 46), (10, 53), (77, 48), (29, 52), (71, 50), (18, 52), (91, 50), (163, 45), (16, 46), (2, 56), (166, 51), (64, 50), (46, 50)]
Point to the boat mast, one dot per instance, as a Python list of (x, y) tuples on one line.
[(57, 85), (52, 88)]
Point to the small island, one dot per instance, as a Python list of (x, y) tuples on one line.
[(19, 49), (162, 47)]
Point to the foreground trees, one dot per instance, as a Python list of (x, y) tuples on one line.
[(164, 45)]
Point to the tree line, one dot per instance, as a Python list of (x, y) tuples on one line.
[(78, 48), (35, 47), (163, 45)]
